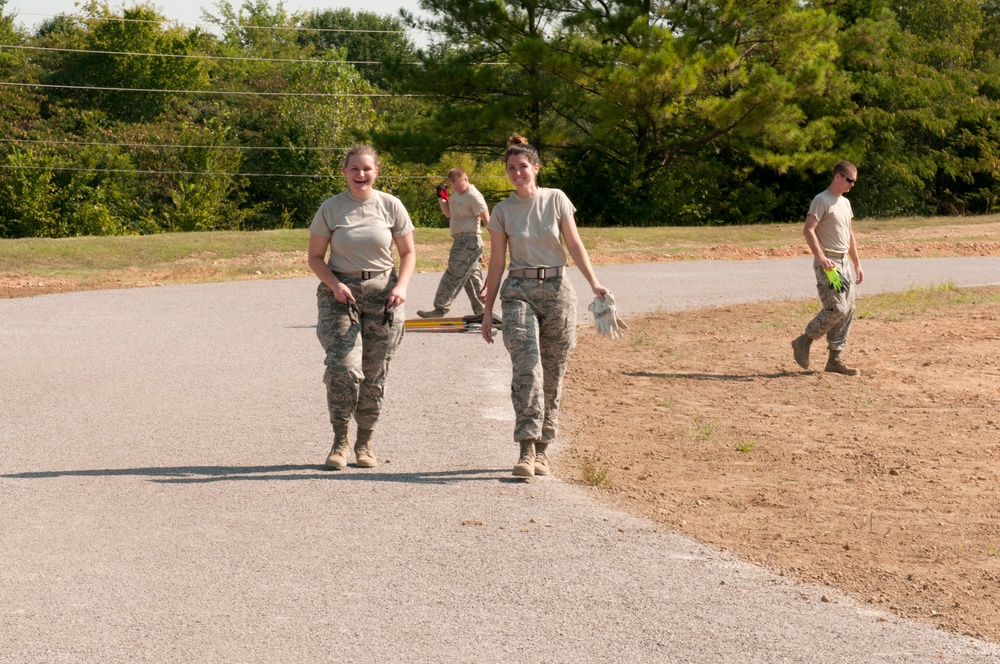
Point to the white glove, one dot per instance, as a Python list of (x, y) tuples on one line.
[(606, 319)]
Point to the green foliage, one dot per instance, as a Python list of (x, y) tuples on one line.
[(131, 71), (338, 31), (705, 112)]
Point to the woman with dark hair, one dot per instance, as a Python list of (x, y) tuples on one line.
[(537, 299)]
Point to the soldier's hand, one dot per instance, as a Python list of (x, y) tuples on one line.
[(343, 293), (837, 282), (397, 296), (486, 330), (442, 192)]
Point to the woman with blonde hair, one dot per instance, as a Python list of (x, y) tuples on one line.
[(360, 299), (537, 299)]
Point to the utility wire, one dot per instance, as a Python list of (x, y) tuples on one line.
[(137, 171), (216, 57), (195, 55), (241, 175), (181, 146), (166, 145), (198, 25), (206, 92)]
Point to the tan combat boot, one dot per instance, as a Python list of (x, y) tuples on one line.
[(800, 346), (436, 312), (363, 449), (525, 466), (541, 461), (337, 459), (834, 365)]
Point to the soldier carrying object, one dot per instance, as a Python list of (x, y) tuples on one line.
[(537, 299), (360, 299), (465, 208), (838, 270)]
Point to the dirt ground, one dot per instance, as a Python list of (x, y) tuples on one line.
[(884, 485)]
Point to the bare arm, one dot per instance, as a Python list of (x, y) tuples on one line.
[(498, 261), (317, 263), (579, 253), (856, 259), (445, 208), (809, 231), (407, 263)]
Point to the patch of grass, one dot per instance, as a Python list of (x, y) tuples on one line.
[(992, 551), (701, 430), (596, 473), (745, 446), (892, 307), (639, 338), (668, 403), (231, 255)]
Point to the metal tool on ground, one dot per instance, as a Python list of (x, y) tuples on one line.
[(471, 323)]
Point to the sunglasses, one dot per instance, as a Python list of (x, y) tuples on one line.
[(851, 180)]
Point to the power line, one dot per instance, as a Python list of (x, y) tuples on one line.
[(198, 25), (241, 175), (167, 145), (182, 146), (216, 57), (194, 55), (206, 92), (137, 171)]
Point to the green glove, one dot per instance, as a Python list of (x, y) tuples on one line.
[(836, 281)]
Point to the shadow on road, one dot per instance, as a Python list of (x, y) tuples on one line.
[(203, 474), (749, 378)]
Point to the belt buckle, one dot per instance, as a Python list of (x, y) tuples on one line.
[(366, 274)]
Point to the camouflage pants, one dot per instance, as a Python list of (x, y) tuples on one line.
[(838, 308), (539, 332), (464, 270), (358, 353)]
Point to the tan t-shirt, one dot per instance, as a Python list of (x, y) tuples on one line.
[(834, 228), (465, 210), (361, 230), (532, 227)]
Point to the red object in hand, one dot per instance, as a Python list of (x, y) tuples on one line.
[(442, 192)]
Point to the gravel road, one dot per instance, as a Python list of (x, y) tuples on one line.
[(162, 499)]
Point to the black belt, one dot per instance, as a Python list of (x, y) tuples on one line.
[(363, 274), (537, 272)]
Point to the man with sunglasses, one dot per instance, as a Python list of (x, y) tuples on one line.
[(838, 270)]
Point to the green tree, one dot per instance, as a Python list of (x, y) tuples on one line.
[(346, 32), (487, 76), (632, 91), (921, 123), (142, 34)]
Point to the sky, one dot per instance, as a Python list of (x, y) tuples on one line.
[(32, 12)]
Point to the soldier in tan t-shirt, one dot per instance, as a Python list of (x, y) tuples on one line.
[(831, 240), (465, 208), (360, 299), (538, 301)]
